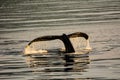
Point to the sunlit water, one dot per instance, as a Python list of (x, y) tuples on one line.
[(23, 20)]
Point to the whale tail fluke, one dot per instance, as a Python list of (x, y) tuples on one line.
[(66, 40)]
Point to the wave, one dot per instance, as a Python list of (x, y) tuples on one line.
[(57, 13)]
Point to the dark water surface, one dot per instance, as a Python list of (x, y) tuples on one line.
[(23, 20)]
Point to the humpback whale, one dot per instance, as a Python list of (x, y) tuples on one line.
[(64, 38)]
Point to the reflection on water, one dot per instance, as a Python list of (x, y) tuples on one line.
[(49, 13), (66, 61), (56, 65)]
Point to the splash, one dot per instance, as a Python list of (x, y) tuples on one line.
[(31, 50), (88, 47), (80, 43)]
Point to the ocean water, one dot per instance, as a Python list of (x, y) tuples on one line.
[(23, 20)]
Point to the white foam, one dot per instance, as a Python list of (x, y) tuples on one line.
[(88, 47), (30, 50)]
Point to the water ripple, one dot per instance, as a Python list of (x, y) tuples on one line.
[(58, 13)]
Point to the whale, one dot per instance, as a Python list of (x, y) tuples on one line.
[(64, 38)]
